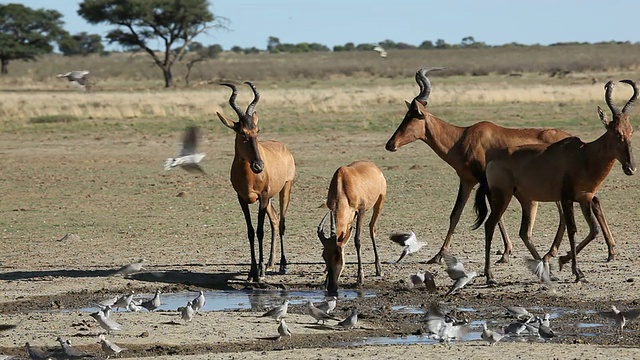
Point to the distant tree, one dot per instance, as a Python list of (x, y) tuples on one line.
[(427, 44), (26, 33), (81, 44), (197, 53), (272, 44), (237, 49), (441, 44), (139, 23)]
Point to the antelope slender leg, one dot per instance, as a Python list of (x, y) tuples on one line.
[(377, 208), (285, 196), (529, 212), (499, 203), (262, 211), (593, 232), (508, 245), (557, 240), (253, 273), (608, 238), (274, 222), (356, 241), (464, 190), (567, 209)]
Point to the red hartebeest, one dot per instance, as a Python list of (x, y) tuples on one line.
[(354, 189), (466, 150), (259, 171), (567, 171)]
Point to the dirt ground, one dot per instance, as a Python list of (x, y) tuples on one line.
[(110, 191)]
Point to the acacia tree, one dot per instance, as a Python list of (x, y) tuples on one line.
[(81, 44), (26, 33), (173, 23)]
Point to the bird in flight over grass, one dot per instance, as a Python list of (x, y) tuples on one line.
[(188, 158), (408, 240), (79, 78)]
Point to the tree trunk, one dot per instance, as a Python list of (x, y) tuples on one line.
[(5, 66), (168, 77)]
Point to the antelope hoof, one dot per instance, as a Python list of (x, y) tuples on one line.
[(504, 259), (436, 259), (283, 270), (611, 257), (492, 282), (580, 276), (562, 260)]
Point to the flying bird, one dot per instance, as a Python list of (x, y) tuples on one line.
[(541, 270), (131, 268), (279, 311), (490, 336), (443, 327), (518, 312), (78, 78), (423, 278), (408, 240), (620, 317), (456, 272), (380, 50), (188, 158)]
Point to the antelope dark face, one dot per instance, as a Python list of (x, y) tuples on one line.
[(246, 129), (620, 130), (333, 255), (413, 126)]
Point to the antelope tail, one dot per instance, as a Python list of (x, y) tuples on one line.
[(480, 204)]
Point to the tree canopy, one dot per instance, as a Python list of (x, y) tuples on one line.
[(139, 23), (26, 33), (81, 44)]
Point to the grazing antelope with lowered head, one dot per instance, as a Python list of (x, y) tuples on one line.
[(467, 150), (567, 171), (260, 170), (354, 189)]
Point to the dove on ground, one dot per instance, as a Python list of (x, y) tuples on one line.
[(198, 303), (187, 312), (409, 241), (131, 268), (134, 306), (328, 305), (279, 311), (442, 327), (283, 329), (153, 303), (456, 272), (106, 323), (620, 317), (318, 314), (544, 331), (109, 302), (518, 327), (106, 311), (69, 351), (123, 301), (36, 353), (108, 347), (518, 312), (350, 321), (490, 336), (425, 278), (541, 270), (188, 158)]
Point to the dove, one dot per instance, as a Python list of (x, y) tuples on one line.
[(443, 327), (518, 312), (490, 336), (456, 272), (108, 302), (37, 354), (279, 311), (541, 270), (78, 78), (108, 347), (131, 268), (70, 352), (425, 278), (187, 312), (620, 317), (134, 306), (108, 324), (187, 159), (283, 329), (328, 304), (409, 241), (123, 301), (198, 303), (518, 327), (350, 321), (544, 331), (318, 314), (152, 304)]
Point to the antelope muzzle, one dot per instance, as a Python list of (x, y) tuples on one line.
[(257, 166)]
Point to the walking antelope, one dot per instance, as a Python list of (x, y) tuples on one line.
[(260, 170), (467, 150), (354, 189), (568, 171)]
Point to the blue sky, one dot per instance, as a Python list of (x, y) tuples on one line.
[(336, 22)]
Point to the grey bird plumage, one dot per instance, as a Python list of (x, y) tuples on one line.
[(279, 311), (106, 323), (79, 78), (490, 336), (187, 312), (409, 242), (328, 305), (544, 331), (131, 268), (456, 272), (318, 314), (351, 321), (620, 317), (518, 312), (518, 327), (198, 303), (109, 348), (283, 329), (71, 352), (425, 278), (188, 159), (541, 271), (153, 303), (443, 327), (36, 353), (123, 301)]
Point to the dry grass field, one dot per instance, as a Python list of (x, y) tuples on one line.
[(91, 164)]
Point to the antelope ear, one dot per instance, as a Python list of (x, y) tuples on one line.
[(603, 116), (408, 104), (226, 121), (254, 118)]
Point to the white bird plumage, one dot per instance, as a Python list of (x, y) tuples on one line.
[(620, 317), (442, 329), (380, 50), (198, 303), (279, 311), (188, 159), (283, 329), (456, 272), (408, 240), (106, 323), (425, 278), (490, 336), (328, 304), (187, 312), (77, 78)]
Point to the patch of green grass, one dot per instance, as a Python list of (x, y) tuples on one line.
[(50, 119)]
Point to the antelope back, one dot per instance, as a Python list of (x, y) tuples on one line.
[(413, 126), (619, 129)]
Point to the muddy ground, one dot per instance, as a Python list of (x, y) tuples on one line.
[(110, 191)]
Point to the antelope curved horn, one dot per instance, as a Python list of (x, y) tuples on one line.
[(256, 98), (321, 227), (425, 89), (232, 99), (608, 90), (634, 97)]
